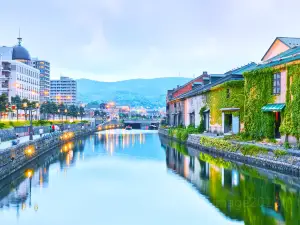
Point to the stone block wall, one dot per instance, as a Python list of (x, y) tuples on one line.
[(14, 158)]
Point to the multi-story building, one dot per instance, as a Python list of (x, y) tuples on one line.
[(44, 68), (17, 76), (63, 91)]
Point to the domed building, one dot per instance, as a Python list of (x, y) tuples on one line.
[(20, 53)]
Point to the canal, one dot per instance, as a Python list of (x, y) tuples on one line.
[(123, 177)]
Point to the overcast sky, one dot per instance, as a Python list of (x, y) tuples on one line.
[(112, 40)]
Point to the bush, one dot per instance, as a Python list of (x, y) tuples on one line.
[(286, 145), (253, 150), (219, 144), (184, 135), (278, 153)]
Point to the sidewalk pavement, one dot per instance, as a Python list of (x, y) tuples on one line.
[(7, 144)]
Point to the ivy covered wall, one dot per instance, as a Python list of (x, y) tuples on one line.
[(227, 95), (258, 93), (291, 116)]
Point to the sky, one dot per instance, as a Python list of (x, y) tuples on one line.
[(111, 40)]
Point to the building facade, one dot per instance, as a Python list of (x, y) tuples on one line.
[(63, 91), (18, 77), (181, 111), (273, 112), (44, 68)]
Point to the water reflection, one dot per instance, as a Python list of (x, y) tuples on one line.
[(16, 191), (240, 192)]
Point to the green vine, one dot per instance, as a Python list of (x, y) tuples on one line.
[(258, 92), (291, 117), (227, 95)]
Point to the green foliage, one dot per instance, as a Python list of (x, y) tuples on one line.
[(278, 153), (238, 137), (291, 117), (215, 161), (201, 127), (227, 95), (182, 134), (219, 144), (3, 102), (286, 145), (258, 92), (253, 150)]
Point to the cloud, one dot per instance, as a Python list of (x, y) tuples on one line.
[(123, 39)]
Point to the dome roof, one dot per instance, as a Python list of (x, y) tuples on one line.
[(20, 53)]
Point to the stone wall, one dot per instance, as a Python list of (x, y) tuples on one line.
[(14, 158), (285, 167)]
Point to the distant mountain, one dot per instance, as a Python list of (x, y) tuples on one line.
[(135, 92)]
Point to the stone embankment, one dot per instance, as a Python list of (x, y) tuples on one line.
[(14, 158), (288, 164)]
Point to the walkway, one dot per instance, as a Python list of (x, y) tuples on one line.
[(7, 144)]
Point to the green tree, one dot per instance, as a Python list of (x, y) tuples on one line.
[(3, 102), (18, 103), (73, 111), (81, 112), (25, 106), (97, 113)]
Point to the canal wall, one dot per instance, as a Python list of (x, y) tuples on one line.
[(14, 158), (285, 164)]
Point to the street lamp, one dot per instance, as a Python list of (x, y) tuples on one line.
[(31, 109), (66, 111)]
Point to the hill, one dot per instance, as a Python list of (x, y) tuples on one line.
[(135, 92)]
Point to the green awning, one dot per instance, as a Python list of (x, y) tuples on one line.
[(273, 107)]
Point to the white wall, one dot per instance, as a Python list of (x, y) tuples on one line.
[(194, 104)]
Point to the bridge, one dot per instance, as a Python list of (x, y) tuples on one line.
[(135, 124), (141, 124)]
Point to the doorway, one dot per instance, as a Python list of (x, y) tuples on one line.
[(277, 124), (228, 123)]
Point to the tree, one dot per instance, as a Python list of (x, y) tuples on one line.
[(97, 113), (73, 111), (81, 112), (53, 109), (3, 102), (25, 105), (18, 103)]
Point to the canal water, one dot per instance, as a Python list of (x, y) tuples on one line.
[(123, 177)]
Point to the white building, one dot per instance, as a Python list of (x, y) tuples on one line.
[(63, 91), (44, 68), (17, 76)]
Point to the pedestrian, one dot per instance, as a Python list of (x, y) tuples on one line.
[(16, 141), (69, 127), (50, 129), (53, 128), (41, 131)]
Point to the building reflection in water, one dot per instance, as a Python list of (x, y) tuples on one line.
[(125, 140), (240, 192)]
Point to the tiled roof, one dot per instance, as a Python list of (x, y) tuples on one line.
[(291, 42), (289, 52), (202, 89), (242, 69), (283, 58), (288, 41)]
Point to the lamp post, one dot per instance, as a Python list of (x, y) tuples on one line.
[(66, 111), (31, 109), (58, 114)]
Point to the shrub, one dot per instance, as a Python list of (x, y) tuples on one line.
[(253, 150), (219, 144), (286, 145), (184, 135), (278, 153)]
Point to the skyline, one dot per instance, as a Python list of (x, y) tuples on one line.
[(113, 40)]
